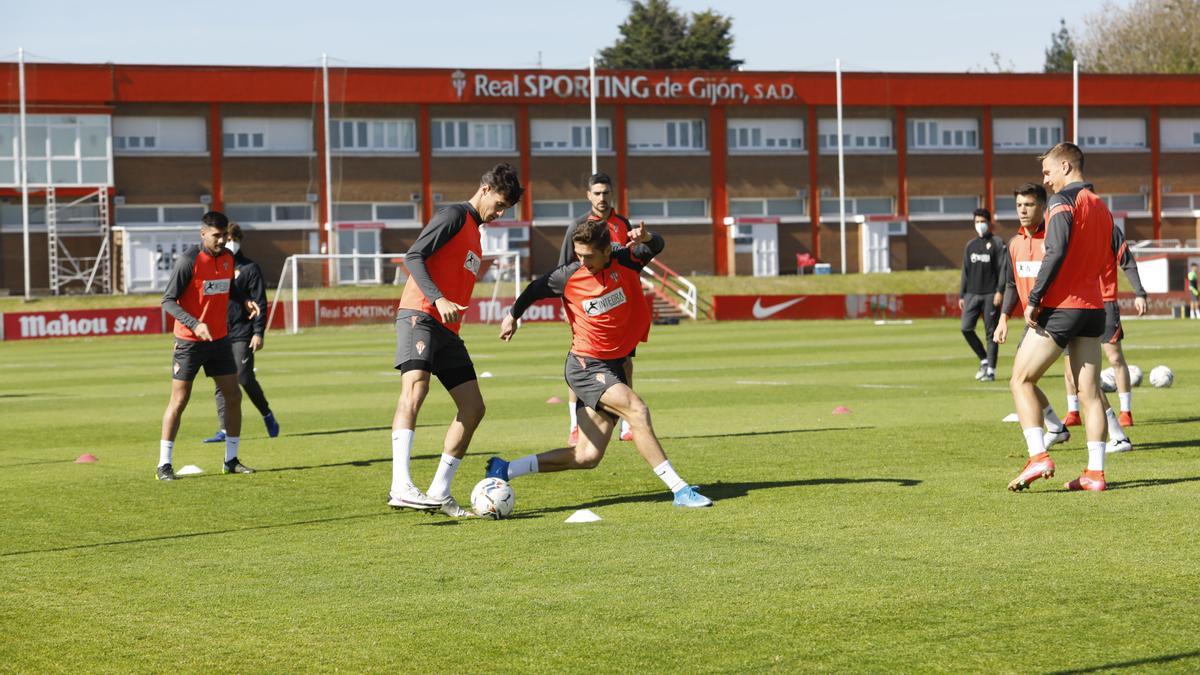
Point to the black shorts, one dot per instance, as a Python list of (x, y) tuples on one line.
[(1065, 323), (1113, 333), (215, 356), (424, 344), (589, 378)]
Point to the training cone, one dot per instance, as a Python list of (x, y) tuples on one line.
[(87, 458), (583, 516), (1011, 417), (485, 374), (841, 410), (554, 400), (189, 470)]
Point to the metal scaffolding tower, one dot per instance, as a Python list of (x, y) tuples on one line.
[(84, 218)]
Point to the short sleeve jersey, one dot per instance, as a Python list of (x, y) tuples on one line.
[(200, 283), (444, 261)]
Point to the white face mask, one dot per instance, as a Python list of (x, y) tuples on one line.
[(981, 228), (233, 246)]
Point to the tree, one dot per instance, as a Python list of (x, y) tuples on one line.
[(656, 36), (1060, 55), (1148, 36)]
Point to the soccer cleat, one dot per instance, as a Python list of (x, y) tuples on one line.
[(272, 425), (981, 372), (689, 498), (627, 435), (452, 509), (1072, 419), (988, 377), (234, 466), (1092, 481), (165, 472), (1118, 445), (497, 468), (412, 498), (1037, 467), (1052, 438), (1126, 418), (573, 437), (218, 437)]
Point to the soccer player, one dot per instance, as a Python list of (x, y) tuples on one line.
[(600, 195), (608, 315), (197, 296), (443, 264), (1193, 292), (1065, 308), (245, 335), (980, 292)]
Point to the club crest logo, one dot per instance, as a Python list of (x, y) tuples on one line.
[(600, 378), (420, 346), (472, 263), (176, 367), (613, 275), (458, 80)]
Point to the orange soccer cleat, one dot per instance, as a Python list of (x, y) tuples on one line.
[(1088, 480), (1072, 419), (1126, 418), (1037, 467), (573, 437)]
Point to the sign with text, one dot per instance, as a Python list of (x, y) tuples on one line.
[(83, 323)]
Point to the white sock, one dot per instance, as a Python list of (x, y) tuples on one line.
[(1115, 431), (520, 467), (1095, 455), (1034, 440), (440, 487), (624, 427), (1126, 401), (1072, 403), (983, 362), (1052, 421), (574, 414), (402, 442), (164, 452), (667, 474), (231, 447)]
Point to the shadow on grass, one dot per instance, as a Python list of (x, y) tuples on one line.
[(1166, 445), (719, 492), (36, 462), (1150, 482), (781, 432), (355, 430), (335, 465), (1169, 420), (1153, 660)]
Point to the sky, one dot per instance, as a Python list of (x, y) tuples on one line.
[(918, 35)]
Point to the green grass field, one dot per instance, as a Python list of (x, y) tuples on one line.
[(880, 540)]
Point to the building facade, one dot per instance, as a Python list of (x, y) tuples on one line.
[(691, 152)]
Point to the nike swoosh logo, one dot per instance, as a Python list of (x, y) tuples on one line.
[(761, 312), (245, 359)]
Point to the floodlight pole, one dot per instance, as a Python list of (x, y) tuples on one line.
[(1075, 102), (592, 96), (841, 164), (328, 160), (24, 174)]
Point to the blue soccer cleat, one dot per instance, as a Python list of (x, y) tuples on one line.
[(218, 437), (272, 425), (497, 468), (689, 498)]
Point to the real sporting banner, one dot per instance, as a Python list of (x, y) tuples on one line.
[(83, 323)]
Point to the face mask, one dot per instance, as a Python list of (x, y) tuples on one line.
[(981, 228), (233, 246)]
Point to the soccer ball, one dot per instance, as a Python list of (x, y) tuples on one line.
[(1108, 380), (1135, 376), (1162, 376), (492, 498)]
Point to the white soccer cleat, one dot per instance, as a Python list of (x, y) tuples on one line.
[(1052, 438), (1114, 446), (452, 509), (410, 497)]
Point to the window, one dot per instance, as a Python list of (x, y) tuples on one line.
[(767, 207), (863, 206), (1181, 134), (473, 136), (1125, 202), (269, 213), (666, 136), (569, 136), (63, 149), (754, 136), (858, 135), (373, 213), (360, 270), (367, 135), (164, 135), (1181, 202), (262, 135), (668, 208), (955, 205), (943, 134), (560, 210), (1112, 134), (1026, 134), (141, 213)]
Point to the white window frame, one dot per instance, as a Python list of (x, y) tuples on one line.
[(1192, 208), (929, 135), (261, 136), (576, 209), (764, 208), (941, 213), (860, 136), (1108, 199), (664, 136), (852, 205), (160, 218), (276, 223), (1012, 134), (765, 136), (376, 132), (388, 223), (1180, 134), (668, 218), (1096, 134), (51, 123), (559, 136), (474, 127), (159, 130)]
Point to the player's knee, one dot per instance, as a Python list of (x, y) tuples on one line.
[(639, 414), (588, 457), (472, 414)]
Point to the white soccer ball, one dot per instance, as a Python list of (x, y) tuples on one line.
[(1108, 380), (1135, 376), (492, 498), (1162, 376)]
